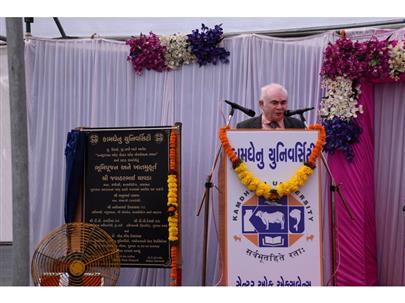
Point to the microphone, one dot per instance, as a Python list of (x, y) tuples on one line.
[(288, 113), (247, 111)]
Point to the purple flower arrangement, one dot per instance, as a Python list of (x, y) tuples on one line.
[(340, 135), (148, 52), (345, 63), (204, 45)]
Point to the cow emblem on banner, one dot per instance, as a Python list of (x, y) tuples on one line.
[(273, 224)]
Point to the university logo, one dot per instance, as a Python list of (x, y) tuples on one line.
[(159, 137), (93, 139), (273, 224)]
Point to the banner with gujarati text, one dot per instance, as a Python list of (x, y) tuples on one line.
[(272, 243), (125, 191)]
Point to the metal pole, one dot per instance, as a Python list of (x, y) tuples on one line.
[(60, 28), (208, 186), (19, 150), (333, 230), (206, 200)]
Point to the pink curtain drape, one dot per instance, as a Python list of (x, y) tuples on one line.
[(356, 253), (356, 239)]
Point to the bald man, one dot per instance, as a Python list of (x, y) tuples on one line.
[(273, 103)]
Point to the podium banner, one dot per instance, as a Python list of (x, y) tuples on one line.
[(271, 243)]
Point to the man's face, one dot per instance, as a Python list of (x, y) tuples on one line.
[(274, 105)]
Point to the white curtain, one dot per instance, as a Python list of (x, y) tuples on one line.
[(87, 82), (390, 182)]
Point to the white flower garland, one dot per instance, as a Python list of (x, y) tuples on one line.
[(339, 100), (178, 52), (397, 59)]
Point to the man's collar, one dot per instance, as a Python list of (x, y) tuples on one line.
[(267, 122)]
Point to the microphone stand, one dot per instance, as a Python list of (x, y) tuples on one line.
[(205, 201), (333, 188)]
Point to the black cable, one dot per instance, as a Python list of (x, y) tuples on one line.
[(60, 28)]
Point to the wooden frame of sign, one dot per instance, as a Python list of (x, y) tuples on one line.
[(125, 191)]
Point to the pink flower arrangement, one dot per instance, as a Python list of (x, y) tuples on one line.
[(147, 52), (356, 60)]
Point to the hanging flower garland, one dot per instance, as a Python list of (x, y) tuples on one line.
[(172, 204), (345, 63), (261, 188), (166, 53)]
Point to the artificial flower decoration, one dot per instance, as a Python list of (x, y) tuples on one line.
[(147, 53), (178, 51), (397, 59), (260, 187), (345, 64), (338, 60), (340, 135), (204, 45), (166, 53), (355, 60), (340, 99)]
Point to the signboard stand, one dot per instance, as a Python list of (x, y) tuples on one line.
[(125, 190)]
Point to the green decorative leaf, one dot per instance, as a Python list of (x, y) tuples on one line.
[(374, 62)]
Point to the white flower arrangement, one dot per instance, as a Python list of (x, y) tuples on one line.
[(397, 59), (340, 100), (178, 51)]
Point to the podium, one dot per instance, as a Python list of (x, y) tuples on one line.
[(270, 243)]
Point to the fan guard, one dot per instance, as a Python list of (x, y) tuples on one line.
[(76, 254)]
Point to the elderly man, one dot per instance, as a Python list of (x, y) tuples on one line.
[(273, 104)]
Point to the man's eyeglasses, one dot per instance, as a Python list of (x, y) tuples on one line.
[(275, 102)]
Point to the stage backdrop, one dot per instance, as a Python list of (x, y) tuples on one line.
[(88, 82)]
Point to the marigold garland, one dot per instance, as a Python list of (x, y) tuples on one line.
[(172, 152), (173, 252), (172, 206), (261, 188)]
